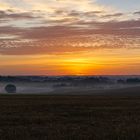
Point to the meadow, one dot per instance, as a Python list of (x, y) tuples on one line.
[(79, 117)]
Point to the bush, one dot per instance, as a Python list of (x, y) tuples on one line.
[(133, 80), (10, 88)]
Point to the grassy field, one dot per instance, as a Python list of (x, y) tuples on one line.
[(29, 117)]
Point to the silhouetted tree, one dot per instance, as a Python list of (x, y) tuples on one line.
[(120, 81), (10, 88), (133, 80)]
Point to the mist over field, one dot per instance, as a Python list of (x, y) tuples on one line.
[(68, 85)]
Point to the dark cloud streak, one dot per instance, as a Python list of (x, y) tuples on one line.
[(113, 15), (137, 13), (13, 15)]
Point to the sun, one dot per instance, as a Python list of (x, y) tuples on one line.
[(77, 66)]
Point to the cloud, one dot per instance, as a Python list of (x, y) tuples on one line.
[(50, 9), (79, 27), (58, 26), (17, 16), (137, 13), (56, 12), (113, 24), (67, 45), (128, 27), (113, 15), (128, 24), (4, 5), (10, 30), (64, 39)]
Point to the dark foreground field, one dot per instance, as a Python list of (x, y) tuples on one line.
[(29, 117)]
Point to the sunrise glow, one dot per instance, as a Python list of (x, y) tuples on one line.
[(68, 37)]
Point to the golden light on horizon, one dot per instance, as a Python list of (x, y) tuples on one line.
[(77, 66), (104, 62)]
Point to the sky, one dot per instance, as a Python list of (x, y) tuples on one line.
[(69, 37)]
